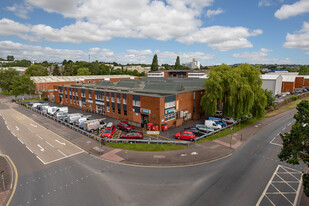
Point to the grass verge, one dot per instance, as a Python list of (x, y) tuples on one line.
[(31, 100), (227, 131), (287, 107), (146, 147)]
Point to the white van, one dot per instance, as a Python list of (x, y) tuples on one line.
[(212, 124)]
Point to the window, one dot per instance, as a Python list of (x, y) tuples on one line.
[(84, 104), (169, 117), (83, 95), (113, 99), (119, 111), (124, 101), (125, 112), (113, 109), (118, 100), (107, 109), (136, 103), (169, 104), (73, 101), (99, 97), (89, 95)]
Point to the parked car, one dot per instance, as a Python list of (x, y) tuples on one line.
[(204, 128), (186, 135), (93, 125), (229, 120), (132, 135), (217, 120), (61, 115), (212, 124), (195, 130), (109, 130), (123, 125)]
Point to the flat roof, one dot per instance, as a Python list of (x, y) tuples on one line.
[(288, 78), (269, 77), (147, 86), (43, 79)]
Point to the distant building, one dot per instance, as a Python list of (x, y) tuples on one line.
[(21, 70), (178, 74), (139, 68), (193, 65)]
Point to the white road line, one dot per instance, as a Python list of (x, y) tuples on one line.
[(283, 128), (289, 123), (276, 144), (13, 134), (8, 127), (39, 136), (64, 157), (278, 134), (29, 149), (41, 160), (17, 128), (60, 142), (49, 144), (41, 148), (62, 152), (20, 141), (33, 125)]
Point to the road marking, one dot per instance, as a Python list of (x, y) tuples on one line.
[(271, 142), (289, 123), (278, 134), (17, 128), (8, 127), (13, 134), (33, 125), (183, 155), (29, 149), (49, 144), (41, 148), (194, 153), (39, 136), (60, 142), (62, 152), (20, 141), (34, 115), (283, 128)]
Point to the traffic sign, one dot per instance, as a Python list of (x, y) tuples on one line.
[(153, 132)]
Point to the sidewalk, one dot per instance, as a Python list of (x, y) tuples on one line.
[(5, 168)]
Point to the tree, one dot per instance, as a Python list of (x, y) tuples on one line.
[(177, 63), (6, 78), (304, 70), (64, 62), (270, 99), (154, 65), (69, 70), (238, 89), (22, 85), (56, 71), (10, 58), (83, 71), (296, 143), (36, 70)]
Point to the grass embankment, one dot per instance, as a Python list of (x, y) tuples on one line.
[(286, 107), (32, 100), (146, 147)]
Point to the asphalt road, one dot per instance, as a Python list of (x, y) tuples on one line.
[(82, 179)]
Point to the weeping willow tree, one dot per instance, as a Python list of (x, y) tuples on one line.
[(238, 89)]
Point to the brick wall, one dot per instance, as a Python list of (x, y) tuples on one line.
[(299, 82), (288, 87)]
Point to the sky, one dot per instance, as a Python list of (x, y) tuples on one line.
[(132, 31)]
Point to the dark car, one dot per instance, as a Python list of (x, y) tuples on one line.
[(186, 135), (109, 130), (125, 126), (195, 131), (132, 135)]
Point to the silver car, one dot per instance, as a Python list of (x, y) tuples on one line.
[(204, 128)]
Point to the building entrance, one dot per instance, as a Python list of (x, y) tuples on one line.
[(145, 120)]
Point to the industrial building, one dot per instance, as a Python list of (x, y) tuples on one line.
[(178, 73), (272, 83), (170, 101), (44, 85)]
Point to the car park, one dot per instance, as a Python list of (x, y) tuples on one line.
[(204, 128), (186, 135), (195, 131), (123, 125), (229, 120), (109, 130), (132, 135)]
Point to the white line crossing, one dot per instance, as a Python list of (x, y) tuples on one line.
[(41, 148)]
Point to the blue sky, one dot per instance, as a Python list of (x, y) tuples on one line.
[(132, 31)]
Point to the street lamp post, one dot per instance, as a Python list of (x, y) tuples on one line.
[(231, 137)]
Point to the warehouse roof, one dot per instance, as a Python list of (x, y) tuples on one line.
[(269, 77), (46, 79), (288, 78)]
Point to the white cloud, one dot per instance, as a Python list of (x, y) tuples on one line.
[(20, 10), (9, 27), (287, 11), (261, 57), (139, 52), (298, 40), (211, 13), (31, 52), (222, 38), (264, 3)]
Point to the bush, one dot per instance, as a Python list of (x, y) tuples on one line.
[(45, 98)]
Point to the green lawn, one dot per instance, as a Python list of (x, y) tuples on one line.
[(31, 100), (146, 147)]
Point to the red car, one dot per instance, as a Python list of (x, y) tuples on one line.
[(132, 135), (109, 130), (186, 135), (124, 126)]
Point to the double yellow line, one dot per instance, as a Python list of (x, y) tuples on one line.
[(13, 167)]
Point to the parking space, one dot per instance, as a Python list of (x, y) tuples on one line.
[(283, 187)]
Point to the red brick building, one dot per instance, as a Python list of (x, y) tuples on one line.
[(159, 101)]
